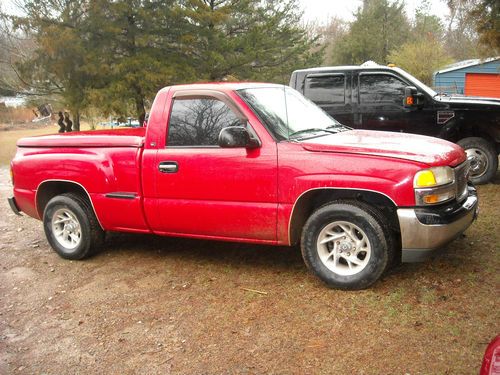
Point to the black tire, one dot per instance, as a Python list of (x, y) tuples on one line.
[(86, 232), (364, 222), (389, 235), (483, 158)]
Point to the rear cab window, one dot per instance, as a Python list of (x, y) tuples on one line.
[(325, 89)]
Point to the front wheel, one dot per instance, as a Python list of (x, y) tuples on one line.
[(483, 159), (345, 245), (71, 226)]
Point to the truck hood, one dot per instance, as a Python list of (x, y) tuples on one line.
[(97, 138), (418, 148), (470, 101)]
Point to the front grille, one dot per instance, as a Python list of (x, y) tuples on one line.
[(461, 178)]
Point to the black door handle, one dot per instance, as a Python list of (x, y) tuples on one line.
[(168, 167)]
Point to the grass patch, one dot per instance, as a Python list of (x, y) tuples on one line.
[(8, 139), (428, 296)]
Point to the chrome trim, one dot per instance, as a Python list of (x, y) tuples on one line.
[(73, 182), (168, 167), (459, 186), (326, 188), (418, 236), (444, 116), (421, 192)]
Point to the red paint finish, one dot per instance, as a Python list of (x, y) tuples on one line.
[(393, 145), (491, 359), (221, 192), (234, 194), (97, 138), (217, 191), (98, 170)]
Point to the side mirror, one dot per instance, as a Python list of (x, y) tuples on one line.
[(413, 98), (420, 98), (237, 136)]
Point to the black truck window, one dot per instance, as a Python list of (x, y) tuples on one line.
[(327, 89), (381, 89)]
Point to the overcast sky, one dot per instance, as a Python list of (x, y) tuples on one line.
[(322, 10)]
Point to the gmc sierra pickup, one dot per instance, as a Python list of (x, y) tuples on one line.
[(387, 98), (252, 163)]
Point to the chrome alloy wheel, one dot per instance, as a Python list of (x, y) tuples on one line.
[(478, 162), (343, 248), (66, 228)]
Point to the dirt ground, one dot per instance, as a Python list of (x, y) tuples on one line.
[(155, 305)]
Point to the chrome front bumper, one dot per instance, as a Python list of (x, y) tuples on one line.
[(426, 230)]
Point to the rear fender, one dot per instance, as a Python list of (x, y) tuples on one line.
[(48, 189)]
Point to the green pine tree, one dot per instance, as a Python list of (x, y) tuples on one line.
[(246, 39), (380, 26)]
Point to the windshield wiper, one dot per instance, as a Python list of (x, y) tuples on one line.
[(312, 130), (441, 94), (340, 127)]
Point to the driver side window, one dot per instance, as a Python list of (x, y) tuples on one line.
[(198, 121), (381, 89)]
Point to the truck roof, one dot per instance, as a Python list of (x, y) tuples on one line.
[(344, 67), (231, 86)]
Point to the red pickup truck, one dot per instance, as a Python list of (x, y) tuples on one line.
[(255, 163)]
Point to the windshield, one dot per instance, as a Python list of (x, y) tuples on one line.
[(289, 115), (417, 83)]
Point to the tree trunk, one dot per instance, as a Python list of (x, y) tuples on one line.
[(141, 112), (75, 112), (76, 121), (139, 104)]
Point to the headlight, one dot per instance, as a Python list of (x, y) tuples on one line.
[(434, 185), (433, 177)]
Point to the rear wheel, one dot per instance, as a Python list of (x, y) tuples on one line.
[(345, 245), (483, 159), (71, 226)]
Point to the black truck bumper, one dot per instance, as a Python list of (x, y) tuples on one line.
[(13, 206)]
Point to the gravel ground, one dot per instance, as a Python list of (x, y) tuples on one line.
[(155, 305)]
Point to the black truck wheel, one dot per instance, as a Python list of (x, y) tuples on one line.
[(345, 245), (483, 159), (71, 226)]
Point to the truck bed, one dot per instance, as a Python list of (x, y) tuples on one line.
[(97, 138)]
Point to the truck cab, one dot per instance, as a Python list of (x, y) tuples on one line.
[(375, 97)]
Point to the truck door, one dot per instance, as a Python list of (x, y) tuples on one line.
[(380, 98), (332, 92), (380, 106), (204, 190)]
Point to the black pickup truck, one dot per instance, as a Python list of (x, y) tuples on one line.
[(376, 97)]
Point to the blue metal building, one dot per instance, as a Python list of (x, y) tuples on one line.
[(470, 77)]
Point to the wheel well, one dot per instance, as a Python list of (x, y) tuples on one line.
[(48, 190), (313, 199), (471, 131)]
